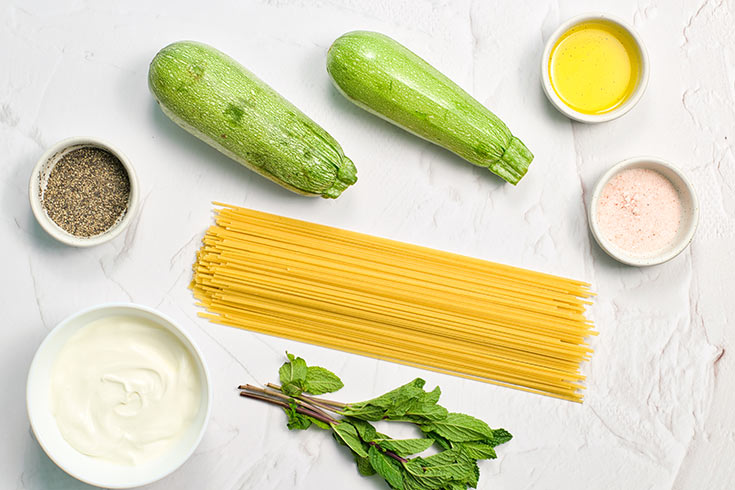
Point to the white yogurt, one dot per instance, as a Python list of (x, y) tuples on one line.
[(124, 390)]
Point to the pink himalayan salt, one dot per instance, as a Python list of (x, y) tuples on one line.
[(639, 211)]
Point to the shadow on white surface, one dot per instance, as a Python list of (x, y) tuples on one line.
[(40, 473)]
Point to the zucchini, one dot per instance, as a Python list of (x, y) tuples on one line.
[(386, 78), (219, 101)]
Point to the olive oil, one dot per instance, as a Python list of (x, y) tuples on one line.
[(594, 67)]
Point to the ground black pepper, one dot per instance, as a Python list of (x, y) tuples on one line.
[(87, 191)]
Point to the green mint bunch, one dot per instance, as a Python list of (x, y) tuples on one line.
[(462, 440)]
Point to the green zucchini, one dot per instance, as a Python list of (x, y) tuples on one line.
[(386, 78), (216, 99)]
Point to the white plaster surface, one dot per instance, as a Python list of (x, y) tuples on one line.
[(659, 404)]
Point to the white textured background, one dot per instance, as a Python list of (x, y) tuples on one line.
[(659, 408)]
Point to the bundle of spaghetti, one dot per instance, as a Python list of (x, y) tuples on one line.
[(394, 301)]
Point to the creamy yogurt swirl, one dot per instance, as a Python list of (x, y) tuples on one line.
[(124, 390)]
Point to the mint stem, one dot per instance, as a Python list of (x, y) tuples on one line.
[(287, 398), (320, 401), (388, 453), (299, 408), (277, 398)]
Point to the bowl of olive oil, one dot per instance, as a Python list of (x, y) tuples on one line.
[(594, 68)]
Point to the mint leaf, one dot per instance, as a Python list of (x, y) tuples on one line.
[(459, 427), (432, 396), (292, 389), (365, 430), (404, 447), (364, 466), (296, 421), (415, 477), (439, 440), (346, 432), (421, 413), (389, 399), (293, 375), (411, 482), (319, 381), (386, 467), (405, 403), (299, 422), (418, 409), (298, 368), (454, 485), (501, 436), (477, 450), (449, 465), (474, 477), (368, 412), (454, 464), (435, 412), (318, 423)]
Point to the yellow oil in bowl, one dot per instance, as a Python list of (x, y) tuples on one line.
[(594, 67)]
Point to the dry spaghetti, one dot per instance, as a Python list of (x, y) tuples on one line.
[(394, 301)]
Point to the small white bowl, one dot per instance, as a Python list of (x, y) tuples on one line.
[(92, 470), (689, 212), (39, 180), (618, 111)]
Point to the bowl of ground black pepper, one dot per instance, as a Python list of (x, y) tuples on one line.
[(83, 191)]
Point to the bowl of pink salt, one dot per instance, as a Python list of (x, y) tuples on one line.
[(643, 211)]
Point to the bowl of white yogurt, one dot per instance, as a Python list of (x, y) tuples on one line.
[(118, 395)]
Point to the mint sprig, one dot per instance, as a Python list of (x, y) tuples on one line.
[(463, 440), (297, 378)]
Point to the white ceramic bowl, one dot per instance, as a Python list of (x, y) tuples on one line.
[(85, 468), (689, 212), (39, 180), (621, 109)]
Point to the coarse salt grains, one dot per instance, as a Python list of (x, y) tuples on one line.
[(639, 211)]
